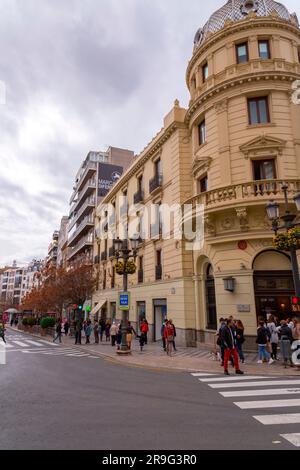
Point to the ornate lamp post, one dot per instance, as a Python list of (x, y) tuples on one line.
[(122, 251), (288, 223)]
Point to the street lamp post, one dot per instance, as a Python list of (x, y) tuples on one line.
[(123, 251), (288, 223)]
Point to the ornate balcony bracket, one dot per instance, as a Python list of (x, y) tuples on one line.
[(242, 215), (263, 146)]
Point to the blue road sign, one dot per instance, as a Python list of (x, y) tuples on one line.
[(124, 300)]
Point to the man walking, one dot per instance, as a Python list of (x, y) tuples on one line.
[(229, 343), (96, 331), (58, 331), (78, 329)]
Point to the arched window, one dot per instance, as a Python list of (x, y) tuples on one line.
[(211, 308)]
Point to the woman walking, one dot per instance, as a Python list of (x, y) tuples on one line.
[(274, 337), (169, 337), (262, 340), (107, 331), (240, 339), (88, 332), (113, 333), (66, 327), (130, 331), (58, 331)]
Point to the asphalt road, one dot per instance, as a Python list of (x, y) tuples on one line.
[(51, 400)]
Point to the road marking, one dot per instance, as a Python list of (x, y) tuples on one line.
[(201, 374), (268, 420), (34, 343), (256, 384), (19, 343), (47, 342), (267, 392), (94, 357), (78, 355), (292, 438), (5, 346), (248, 405), (229, 379)]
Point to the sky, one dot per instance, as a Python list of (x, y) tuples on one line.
[(79, 76)]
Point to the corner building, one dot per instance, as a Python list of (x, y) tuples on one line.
[(231, 150)]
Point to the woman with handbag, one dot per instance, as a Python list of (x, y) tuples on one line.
[(169, 337)]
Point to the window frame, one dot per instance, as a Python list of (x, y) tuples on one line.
[(203, 122), (204, 70), (261, 161), (264, 41), (200, 181), (237, 52), (257, 100)]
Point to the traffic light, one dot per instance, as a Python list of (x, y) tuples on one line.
[(295, 300), (80, 306), (75, 306)]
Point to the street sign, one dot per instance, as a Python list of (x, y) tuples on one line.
[(124, 301)]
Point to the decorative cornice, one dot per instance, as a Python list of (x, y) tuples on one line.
[(263, 144)]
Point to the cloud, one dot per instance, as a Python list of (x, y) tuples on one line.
[(81, 76)]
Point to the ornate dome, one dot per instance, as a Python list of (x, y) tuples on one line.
[(237, 10)]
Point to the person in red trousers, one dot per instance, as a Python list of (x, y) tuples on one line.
[(228, 340)]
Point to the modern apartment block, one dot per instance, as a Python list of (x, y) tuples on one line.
[(51, 260), (62, 251), (97, 174)]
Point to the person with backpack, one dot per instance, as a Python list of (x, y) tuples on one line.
[(58, 331), (262, 340), (230, 346)]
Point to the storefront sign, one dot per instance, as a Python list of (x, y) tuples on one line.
[(244, 308)]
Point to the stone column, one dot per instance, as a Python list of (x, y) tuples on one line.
[(221, 109)]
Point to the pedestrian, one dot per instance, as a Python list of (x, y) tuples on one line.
[(11, 321), (230, 346), (102, 328), (88, 331), (58, 331), (16, 321), (113, 333), (169, 337), (96, 331), (143, 338), (296, 330), (66, 327), (107, 331), (290, 323), (286, 339), (240, 339), (119, 337), (174, 345), (78, 329), (162, 333), (144, 327), (274, 337), (2, 331), (129, 335), (263, 341)]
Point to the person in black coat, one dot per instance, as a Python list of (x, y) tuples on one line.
[(228, 341)]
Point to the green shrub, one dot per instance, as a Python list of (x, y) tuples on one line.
[(31, 321), (47, 322), (25, 321)]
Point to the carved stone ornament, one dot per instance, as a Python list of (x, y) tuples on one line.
[(209, 227), (227, 223), (242, 215), (265, 145), (201, 165)]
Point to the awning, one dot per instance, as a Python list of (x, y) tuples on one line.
[(98, 306)]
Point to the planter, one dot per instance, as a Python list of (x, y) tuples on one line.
[(43, 331)]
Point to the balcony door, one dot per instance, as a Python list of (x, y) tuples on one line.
[(211, 307)]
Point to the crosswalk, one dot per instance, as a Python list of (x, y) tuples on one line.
[(19, 343), (278, 394)]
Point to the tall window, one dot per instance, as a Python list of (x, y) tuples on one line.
[(158, 267), (202, 133), (211, 308), (264, 169), (203, 184), (157, 167), (242, 54), (205, 72), (140, 184), (258, 109), (264, 49)]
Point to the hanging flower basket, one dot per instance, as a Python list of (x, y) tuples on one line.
[(280, 242), (130, 267), (294, 238)]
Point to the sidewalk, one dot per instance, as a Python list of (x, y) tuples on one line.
[(185, 359)]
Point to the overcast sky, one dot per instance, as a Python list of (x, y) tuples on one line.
[(80, 76)]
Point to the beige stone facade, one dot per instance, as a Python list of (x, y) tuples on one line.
[(231, 150)]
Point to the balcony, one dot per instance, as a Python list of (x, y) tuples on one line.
[(140, 276), (86, 223), (87, 191), (89, 204), (86, 242), (97, 259), (88, 172), (138, 197), (111, 252), (104, 256), (158, 272), (249, 194), (155, 183)]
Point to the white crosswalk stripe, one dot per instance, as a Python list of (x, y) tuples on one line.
[(34, 343), (253, 385), (20, 343)]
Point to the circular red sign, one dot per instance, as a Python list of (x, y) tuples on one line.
[(243, 245)]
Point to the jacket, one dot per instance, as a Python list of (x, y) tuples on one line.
[(169, 331), (144, 328), (240, 338), (228, 337), (273, 332), (113, 330), (286, 333), (88, 330), (263, 335)]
